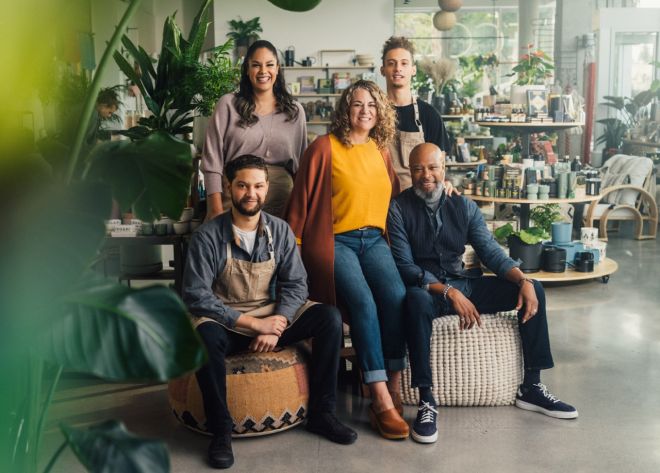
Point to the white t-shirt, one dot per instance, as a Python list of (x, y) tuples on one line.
[(247, 238)]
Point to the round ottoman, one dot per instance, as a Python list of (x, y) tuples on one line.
[(266, 393), (482, 366)]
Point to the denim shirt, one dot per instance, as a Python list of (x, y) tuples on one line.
[(478, 235), (207, 256)]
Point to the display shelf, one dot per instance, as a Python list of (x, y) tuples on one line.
[(531, 127), (471, 164), (315, 94), (601, 270), (477, 137), (324, 68)]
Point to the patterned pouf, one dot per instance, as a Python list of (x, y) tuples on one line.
[(477, 367), (266, 393)]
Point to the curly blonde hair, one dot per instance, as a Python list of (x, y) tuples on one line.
[(384, 131)]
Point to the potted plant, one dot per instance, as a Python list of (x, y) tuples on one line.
[(209, 81), (244, 33), (64, 315), (545, 215), (532, 71), (524, 245), (474, 70), (422, 85), (616, 128), (441, 72)]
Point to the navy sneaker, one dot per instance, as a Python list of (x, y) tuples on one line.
[(538, 399), (424, 429)]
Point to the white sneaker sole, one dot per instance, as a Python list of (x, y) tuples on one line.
[(424, 438), (556, 414)]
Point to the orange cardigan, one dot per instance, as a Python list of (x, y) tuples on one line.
[(309, 214)]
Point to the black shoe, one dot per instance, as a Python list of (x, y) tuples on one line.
[(425, 429), (537, 398), (220, 453), (327, 425)]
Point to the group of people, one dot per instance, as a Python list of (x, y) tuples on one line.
[(358, 226)]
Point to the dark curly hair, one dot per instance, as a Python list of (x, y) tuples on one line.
[(398, 42), (108, 96), (245, 161), (385, 129), (244, 100)]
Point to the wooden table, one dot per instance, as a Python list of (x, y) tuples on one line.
[(471, 164), (602, 270), (525, 203)]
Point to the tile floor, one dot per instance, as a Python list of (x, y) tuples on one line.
[(606, 344)]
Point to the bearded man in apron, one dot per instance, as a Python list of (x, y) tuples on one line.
[(417, 121), (246, 287)]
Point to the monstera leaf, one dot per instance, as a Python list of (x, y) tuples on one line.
[(109, 448), (149, 175), (120, 333), (296, 5)]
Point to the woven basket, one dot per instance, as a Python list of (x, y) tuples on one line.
[(477, 367), (266, 393)]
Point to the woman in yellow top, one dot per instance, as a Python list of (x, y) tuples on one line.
[(337, 211)]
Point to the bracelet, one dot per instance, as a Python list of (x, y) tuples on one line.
[(523, 280), (446, 291)]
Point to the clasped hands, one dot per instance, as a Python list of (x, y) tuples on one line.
[(269, 331)]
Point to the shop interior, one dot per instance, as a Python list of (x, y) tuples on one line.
[(551, 106)]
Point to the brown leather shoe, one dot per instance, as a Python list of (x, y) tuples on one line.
[(389, 423), (398, 402)]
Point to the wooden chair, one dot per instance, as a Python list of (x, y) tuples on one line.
[(630, 201)]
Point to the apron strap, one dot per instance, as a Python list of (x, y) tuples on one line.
[(228, 250), (271, 248), (418, 122)]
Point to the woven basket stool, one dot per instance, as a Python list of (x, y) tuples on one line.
[(477, 367), (266, 393)]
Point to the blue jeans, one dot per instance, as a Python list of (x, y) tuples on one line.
[(369, 287)]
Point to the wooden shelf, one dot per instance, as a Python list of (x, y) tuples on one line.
[(316, 95), (528, 127), (456, 117), (323, 68), (319, 122), (471, 164), (478, 137), (601, 270), (504, 200)]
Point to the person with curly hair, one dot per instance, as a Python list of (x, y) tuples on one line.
[(261, 119), (338, 211)]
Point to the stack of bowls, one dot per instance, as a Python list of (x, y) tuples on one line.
[(365, 59)]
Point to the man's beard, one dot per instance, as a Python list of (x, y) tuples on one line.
[(433, 197), (240, 206)]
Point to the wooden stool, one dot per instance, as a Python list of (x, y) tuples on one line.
[(266, 393), (477, 367)]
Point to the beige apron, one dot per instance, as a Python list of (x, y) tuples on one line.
[(280, 184), (245, 287), (400, 149)]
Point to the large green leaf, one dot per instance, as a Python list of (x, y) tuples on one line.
[(150, 175), (296, 5), (56, 234), (120, 333), (110, 448)]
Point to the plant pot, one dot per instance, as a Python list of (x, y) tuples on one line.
[(529, 255), (140, 259), (561, 232), (519, 93), (439, 104)]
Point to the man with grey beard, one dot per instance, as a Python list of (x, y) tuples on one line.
[(428, 232)]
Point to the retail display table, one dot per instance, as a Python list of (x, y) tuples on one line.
[(525, 203)]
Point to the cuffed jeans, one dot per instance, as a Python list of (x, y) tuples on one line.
[(489, 295), (369, 287), (321, 322)]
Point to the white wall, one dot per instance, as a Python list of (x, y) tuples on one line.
[(334, 24)]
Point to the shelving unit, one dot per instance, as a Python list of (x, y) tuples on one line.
[(322, 72)]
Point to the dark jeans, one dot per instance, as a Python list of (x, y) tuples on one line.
[(369, 286), (488, 295), (320, 322)]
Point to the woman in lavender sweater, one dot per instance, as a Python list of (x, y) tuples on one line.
[(260, 119)]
